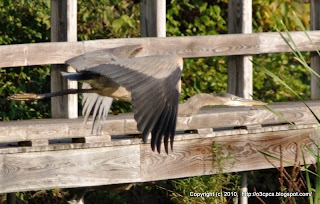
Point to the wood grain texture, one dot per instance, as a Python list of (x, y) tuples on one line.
[(240, 80), (195, 157), (136, 162), (153, 18), (63, 28), (68, 168), (214, 117), (188, 46), (118, 140)]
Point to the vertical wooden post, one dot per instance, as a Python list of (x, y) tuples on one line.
[(314, 58), (240, 81), (240, 67), (63, 28), (11, 198), (153, 18)]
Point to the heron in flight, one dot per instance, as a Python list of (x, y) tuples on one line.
[(151, 83)]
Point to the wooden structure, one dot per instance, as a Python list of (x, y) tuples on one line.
[(90, 160), (240, 66), (61, 153), (63, 28)]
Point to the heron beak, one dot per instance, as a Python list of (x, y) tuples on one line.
[(245, 102)]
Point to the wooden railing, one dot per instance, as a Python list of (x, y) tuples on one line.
[(187, 47), (60, 153)]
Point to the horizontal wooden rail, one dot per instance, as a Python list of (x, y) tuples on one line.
[(187, 47), (125, 159), (215, 117), (137, 163)]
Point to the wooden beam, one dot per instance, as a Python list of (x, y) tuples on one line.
[(240, 80), (63, 28), (153, 18), (137, 163), (315, 58), (195, 157), (123, 124), (187, 47), (11, 198), (69, 168)]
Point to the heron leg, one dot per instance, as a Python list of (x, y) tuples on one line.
[(34, 96)]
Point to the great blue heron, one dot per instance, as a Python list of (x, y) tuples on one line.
[(151, 83)]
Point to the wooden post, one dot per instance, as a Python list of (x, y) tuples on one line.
[(240, 67), (153, 18), (240, 81), (63, 28), (314, 58), (11, 198)]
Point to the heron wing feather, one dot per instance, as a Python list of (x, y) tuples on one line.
[(92, 102), (152, 82), (97, 105)]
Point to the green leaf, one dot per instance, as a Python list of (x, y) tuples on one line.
[(117, 24)]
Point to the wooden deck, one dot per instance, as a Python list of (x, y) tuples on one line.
[(29, 160)]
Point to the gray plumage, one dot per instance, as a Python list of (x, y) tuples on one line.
[(92, 102), (150, 83)]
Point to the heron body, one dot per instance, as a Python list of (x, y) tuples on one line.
[(151, 83)]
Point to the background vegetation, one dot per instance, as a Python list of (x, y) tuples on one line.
[(28, 21)]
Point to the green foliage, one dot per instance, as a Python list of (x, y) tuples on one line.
[(267, 16), (25, 21), (21, 79), (198, 17), (31, 25), (290, 71), (200, 75), (106, 19), (204, 75)]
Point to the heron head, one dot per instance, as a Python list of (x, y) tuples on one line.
[(232, 100)]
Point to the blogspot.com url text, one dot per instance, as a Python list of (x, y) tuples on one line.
[(249, 194)]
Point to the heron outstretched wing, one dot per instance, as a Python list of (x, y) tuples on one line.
[(93, 103), (153, 82), (102, 56)]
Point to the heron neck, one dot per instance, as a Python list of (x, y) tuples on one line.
[(196, 102)]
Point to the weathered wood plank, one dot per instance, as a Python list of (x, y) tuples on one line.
[(38, 53), (69, 168), (93, 139), (188, 46), (195, 157), (123, 164), (314, 57), (153, 18), (102, 141), (215, 117), (240, 80), (63, 28)]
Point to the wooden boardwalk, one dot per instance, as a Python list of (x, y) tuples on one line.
[(119, 156)]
